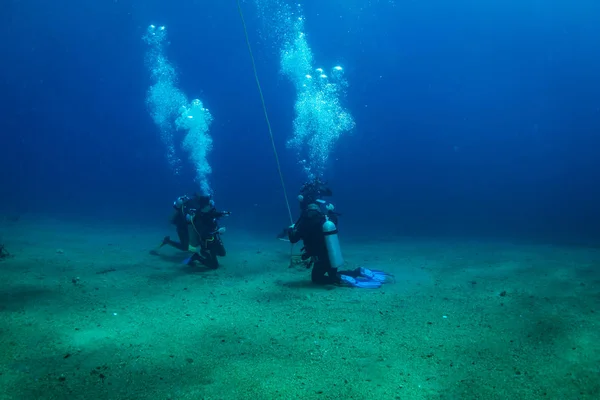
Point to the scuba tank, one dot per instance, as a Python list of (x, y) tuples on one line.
[(333, 244)]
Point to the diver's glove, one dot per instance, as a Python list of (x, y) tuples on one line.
[(221, 230), (190, 217), (290, 229), (285, 232), (226, 213), (330, 207)]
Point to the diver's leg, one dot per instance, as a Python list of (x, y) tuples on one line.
[(323, 274), (205, 254), (355, 273), (207, 258), (173, 243), (318, 275), (194, 241), (219, 248), (211, 261), (184, 238), (213, 250)]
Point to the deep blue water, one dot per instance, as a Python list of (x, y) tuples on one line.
[(472, 117)]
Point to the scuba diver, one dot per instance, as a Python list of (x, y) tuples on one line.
[(196, 219), (318, 232)]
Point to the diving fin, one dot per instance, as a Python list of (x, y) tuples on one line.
[(190, 259), (375, 275), (350, 281)]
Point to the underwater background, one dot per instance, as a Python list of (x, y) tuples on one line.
[(472, 118), (461, 141)]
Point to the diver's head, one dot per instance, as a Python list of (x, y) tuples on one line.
[(312, 192), (315, 188), (205, 203), (305, 202)]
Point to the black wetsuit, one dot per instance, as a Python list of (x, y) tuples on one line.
[(201, 231), (185, 230), (206, 227), (309, 229)]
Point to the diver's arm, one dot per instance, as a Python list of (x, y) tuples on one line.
[(178, 205), (294, 235), (220, 214), (295, 231)]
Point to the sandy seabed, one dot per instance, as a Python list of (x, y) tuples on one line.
[(87, 312)]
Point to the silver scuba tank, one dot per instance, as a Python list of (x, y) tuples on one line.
[(333, 244)]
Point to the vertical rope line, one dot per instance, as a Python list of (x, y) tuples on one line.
[(262, 99)]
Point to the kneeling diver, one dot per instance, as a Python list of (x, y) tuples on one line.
[(196, 219), (318, 231)]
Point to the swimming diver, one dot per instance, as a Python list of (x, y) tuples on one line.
[(318, 232), (196, 219)]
